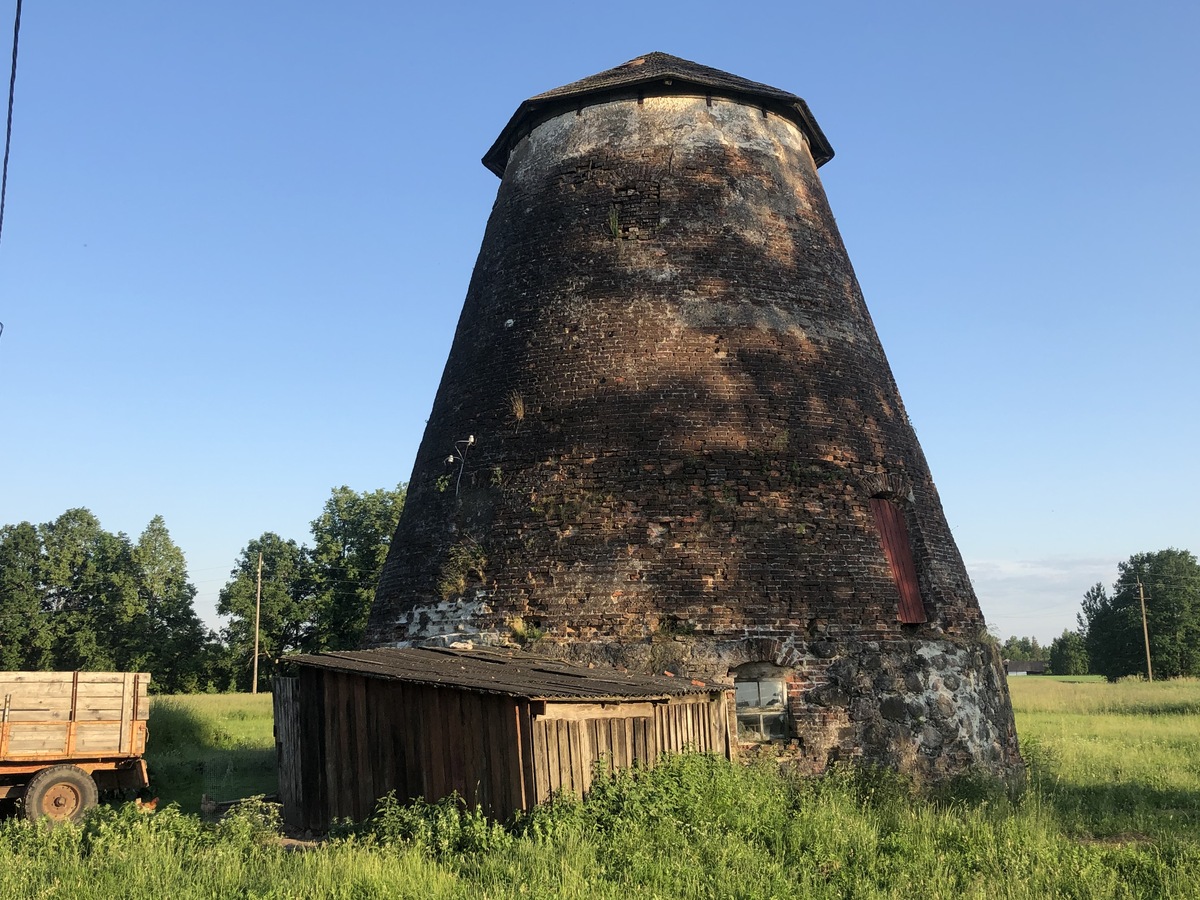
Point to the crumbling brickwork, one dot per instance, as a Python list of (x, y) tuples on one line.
[(662, 420)]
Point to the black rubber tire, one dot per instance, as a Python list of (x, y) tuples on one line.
[(59, 794)]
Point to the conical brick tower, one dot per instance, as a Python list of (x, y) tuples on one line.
[(667, 436)]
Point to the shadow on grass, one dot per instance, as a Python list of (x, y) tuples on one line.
[(191, 754), (1112, 810)]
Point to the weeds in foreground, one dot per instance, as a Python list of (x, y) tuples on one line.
[(695, 826), (1110, 811)]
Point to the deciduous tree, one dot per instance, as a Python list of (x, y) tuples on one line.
[(1068, 654), (25, 638), (1112, 623), (90, 594), (351, 538), (177, 648), (287, 607)]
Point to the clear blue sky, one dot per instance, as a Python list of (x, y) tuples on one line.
[(238, 236)]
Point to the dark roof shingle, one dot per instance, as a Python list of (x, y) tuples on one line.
[(655, 73), (502, 672)]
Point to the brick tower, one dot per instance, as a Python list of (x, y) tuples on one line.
[(667, 436)]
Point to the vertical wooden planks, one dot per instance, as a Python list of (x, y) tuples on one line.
[(288, 749), (528, 770), (362, 786), (381, 777), (452, 738), (499, 781), (315, 784), (416, 774), (541, 761), (553, 767), (474, 760), (893, 534), (334, 742), (578, 766), (434, 751)]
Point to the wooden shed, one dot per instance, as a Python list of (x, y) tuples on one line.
[(504, 730)]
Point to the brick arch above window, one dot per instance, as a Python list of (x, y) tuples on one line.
[(892, 487)]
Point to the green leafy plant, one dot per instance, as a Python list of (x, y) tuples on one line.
[(465, 560), (523, 632)]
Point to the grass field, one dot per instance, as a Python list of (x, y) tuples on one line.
[(219, 745), (1117, 761), (1111, 810)]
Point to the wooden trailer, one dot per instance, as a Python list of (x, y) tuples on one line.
[(64, 736), (503, 730)]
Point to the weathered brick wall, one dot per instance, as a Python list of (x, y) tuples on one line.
[(680, 409)]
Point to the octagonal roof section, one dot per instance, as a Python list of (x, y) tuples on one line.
[(655, 74)]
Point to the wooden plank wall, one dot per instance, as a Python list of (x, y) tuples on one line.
[(570, 741), (289, 747), (67, 715), (359, 738)]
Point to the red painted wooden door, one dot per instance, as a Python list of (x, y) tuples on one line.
[(889, 519)]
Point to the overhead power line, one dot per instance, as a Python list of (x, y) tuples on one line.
[(12, 89)]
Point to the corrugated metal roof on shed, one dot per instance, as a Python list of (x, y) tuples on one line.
[(510, 673)]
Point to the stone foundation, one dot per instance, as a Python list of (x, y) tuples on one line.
[(932, 708)]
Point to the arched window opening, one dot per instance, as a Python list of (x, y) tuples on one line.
[(760, 692), (889, 520)]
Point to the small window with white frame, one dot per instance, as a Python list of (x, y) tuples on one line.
[(760, 694)]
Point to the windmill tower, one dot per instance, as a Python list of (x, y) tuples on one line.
[(667, 435)]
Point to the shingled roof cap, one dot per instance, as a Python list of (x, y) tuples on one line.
[(655, 74)]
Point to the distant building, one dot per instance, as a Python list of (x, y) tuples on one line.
[(1025, 667)]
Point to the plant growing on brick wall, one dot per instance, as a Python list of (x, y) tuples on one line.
[(465, 561), (614, 222), (516, 406), (523, 632)]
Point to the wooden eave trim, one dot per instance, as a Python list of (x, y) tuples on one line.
[(530, 114)]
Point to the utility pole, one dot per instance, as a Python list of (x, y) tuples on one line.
[(1145, 629), (258, 609)]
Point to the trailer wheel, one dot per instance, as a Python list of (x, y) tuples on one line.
[(60, 794)]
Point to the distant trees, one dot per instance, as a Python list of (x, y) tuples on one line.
[(314, 598), (1024, 649), (1068, 654), (75, 596), (24, 629), (1111, 623), (350, 544), (286, 614)]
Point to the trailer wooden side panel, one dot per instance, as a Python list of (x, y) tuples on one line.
[(49, 716)]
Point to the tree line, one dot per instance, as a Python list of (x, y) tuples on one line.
[(1110, 639), (76, 596), (1110, 629)]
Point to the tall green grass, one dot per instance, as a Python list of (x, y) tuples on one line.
[(219, 745), (1115, 760), (698, 827)]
